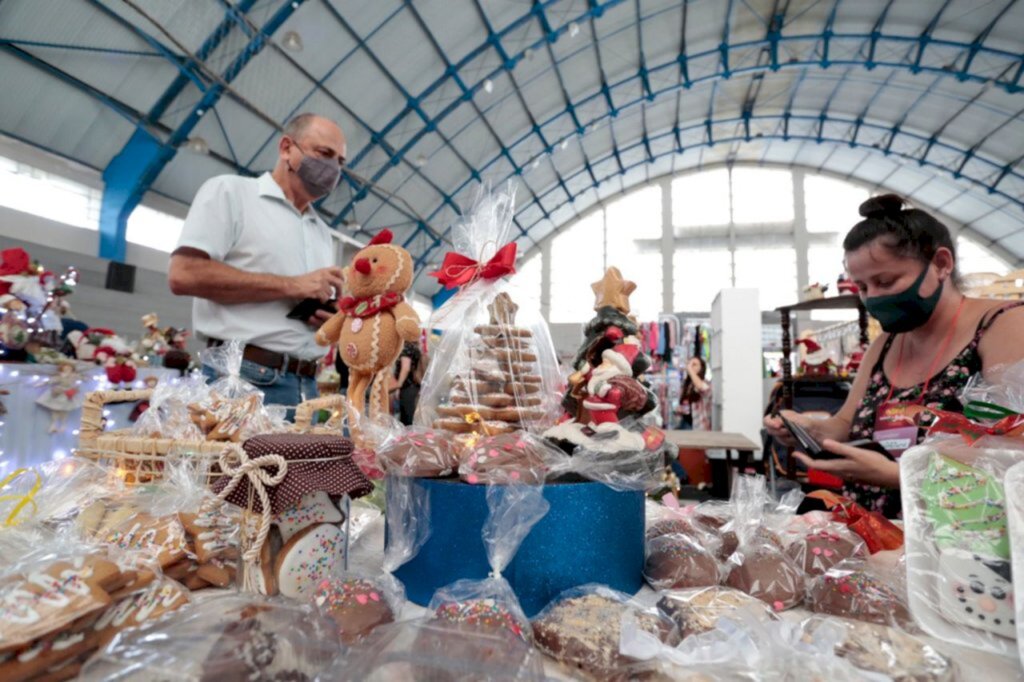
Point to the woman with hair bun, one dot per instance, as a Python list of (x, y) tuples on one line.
[(904, 262)]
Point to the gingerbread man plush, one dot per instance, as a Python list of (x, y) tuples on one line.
[(373, 321)]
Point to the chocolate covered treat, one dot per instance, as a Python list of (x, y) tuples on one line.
[(820, 550), (356, 605), (858, 595), (698, 610), (671, 526), (763, 571), (421, 454), (504, 459), (583, 632), (488, 615), (677, 562)]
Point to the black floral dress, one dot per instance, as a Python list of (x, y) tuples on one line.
[(943, 393)]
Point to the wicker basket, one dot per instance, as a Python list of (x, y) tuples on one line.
[(335, 404), (135, 458)]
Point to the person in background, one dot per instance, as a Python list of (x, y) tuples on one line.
[(253, 248), (935, 338), (406, 383), (694, 409)]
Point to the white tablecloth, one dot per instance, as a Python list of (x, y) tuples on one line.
[(24, 439)]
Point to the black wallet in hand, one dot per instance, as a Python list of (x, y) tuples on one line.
[(308, 307)]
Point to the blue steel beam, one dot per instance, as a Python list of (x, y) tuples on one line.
[(134, 169), (19, 42), (824, 62)]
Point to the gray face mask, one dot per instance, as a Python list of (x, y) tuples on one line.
[(318, 176)]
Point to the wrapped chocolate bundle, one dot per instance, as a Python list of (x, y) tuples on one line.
[(677, 561), (490, 605), (582, 629), (959, 578), (510, 458), (854, 591), (495, 369), (698, 610), (420, 453), (759, 566), (360, 603), (233, 637)]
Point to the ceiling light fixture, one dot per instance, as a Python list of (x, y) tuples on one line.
[(420, 161), (197, 145), (574, 29), (528, 54), (292, 41), (488, 86), (565, 143)]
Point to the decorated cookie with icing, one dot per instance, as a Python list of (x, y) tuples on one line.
[(356, 605), (46, 600), (149, 538), (214, 532), (158, 598), (977, 591), (486, 614), (314, 508), (308, 558), (34, 662)]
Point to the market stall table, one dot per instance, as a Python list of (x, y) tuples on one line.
[(24, 436), (718, 447)]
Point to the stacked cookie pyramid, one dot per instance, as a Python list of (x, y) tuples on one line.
[(499, 391)]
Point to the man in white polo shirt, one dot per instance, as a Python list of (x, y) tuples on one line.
[(252, 248)]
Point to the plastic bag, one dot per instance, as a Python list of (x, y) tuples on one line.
[(490, 604), (168, 414), (677, 561), (53, 493), (878, 651), (957, 546), (226, 361), (759, 566), (1014, 486), (437, 650), (495, 369), (699, 610), (233, 409), (510, 458), (359, 603), (233, 637), (420, 453), (632, 469), (582, 628), (823, 547), (852, 590)]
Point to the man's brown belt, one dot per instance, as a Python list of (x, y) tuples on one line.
[(272, 360)]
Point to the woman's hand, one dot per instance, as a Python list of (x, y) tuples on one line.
[(777, 430), (855, 464)]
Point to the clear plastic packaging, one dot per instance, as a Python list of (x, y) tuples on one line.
[(632, 469), (854, 591), (759, 566), (234, 637), (510, 458), (582, 628), (823, 547), (678, 561), (698, 610), (53, 493), (420, 453), (437, 650), (957, 545), (494, 369), (490, 604), (168, 415), (232, 409), (1014, 486)]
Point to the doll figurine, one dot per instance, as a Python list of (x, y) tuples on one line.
[(373, 321), (62, 395)]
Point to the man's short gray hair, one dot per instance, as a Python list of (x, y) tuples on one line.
[(296, 127)]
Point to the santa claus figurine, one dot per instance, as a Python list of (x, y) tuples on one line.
[(611, 388), (816, 361)]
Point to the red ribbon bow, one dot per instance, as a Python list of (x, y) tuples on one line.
[(877, 531), (458, 270), (1011, 426)]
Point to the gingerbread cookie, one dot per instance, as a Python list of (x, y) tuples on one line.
[(33, 662), (156, 600), (356, 605), (37, 603), (502, 331), (214, 530), (314, 508), (149, 538), (456, 425), (309, 557)]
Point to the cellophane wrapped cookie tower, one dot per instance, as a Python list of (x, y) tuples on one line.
[(494, 370), (955, 502)]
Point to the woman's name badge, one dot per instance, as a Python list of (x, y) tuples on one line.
[(895, 427)]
